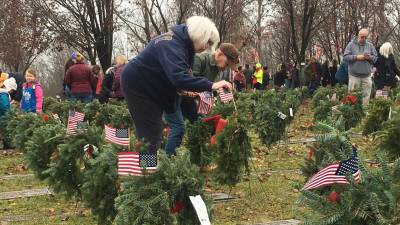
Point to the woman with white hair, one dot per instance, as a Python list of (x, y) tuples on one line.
[(386, 69), (151, 81)]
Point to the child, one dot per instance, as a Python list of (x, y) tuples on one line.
[(32, 93)]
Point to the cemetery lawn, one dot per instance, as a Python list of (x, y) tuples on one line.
[(269, 193)]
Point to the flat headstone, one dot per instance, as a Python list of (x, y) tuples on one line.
[(281, 222), (24, 193), (219, 197), (297, 141), (302, 140), (20, 218), (16, 176)]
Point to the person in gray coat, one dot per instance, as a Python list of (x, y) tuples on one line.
[(360, 55)]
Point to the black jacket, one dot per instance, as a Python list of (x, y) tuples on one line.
[(386, 66), (20, 79)]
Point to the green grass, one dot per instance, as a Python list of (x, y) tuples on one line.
[(69, 220), (261, 198), (11, 164), (18, 184), (271, 199)]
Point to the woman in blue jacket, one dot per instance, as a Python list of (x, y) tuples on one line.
[(151, 81)]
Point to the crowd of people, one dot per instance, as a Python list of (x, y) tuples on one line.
[(361, 66), (84, 83), (163, 82)]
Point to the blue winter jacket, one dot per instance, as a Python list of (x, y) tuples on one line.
[(342, 73), (162, 69), (4, 103)]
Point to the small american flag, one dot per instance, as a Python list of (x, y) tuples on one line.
[(225, 95), (132, 163), (118, 136), (206, 102), (74, 120), (336, 173)]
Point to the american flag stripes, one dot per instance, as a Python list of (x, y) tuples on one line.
[(225, 95), (74, 119), (118, 136), (206, 102), (132, 163), (336, 173)]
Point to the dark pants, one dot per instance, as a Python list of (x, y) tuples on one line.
[(147, 118), (187, 109), (176, 130)]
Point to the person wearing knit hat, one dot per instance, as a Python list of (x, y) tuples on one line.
[(79, 80), (10, 84)]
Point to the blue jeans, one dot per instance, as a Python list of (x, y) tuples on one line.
[(176, 130), (83, 97)]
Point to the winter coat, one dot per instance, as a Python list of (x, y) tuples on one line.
[(240, 78), (32, 97), (326, 76), (280, 77), (359, 68), (248, 73), (342, 74), (116, 87), (20, 79), (4, 102), (162, 69), (258, 74), (332, 73), (80, 79), (386, 71), (99, 81), (206, 66), (106, 85)]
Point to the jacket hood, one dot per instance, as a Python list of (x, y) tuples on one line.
[(181, 32)]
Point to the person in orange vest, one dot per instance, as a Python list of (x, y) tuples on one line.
[(258, 77)]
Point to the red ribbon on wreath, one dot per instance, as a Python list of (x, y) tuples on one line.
[(219, 125), (350, 99), (45, 118), (177, 208)]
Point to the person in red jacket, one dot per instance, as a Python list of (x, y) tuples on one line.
[(98, 77), (80, 80), (121, 61)]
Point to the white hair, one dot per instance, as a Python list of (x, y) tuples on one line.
[(386, 49), (201, 30)]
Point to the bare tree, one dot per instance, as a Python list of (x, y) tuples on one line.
[(86, 25), (23, 34)]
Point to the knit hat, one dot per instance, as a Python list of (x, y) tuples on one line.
[(232, 53), (10, 84), (76, 56), (258, 66)]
